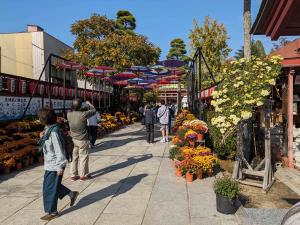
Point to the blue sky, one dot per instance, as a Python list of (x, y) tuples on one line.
[(160, 20)]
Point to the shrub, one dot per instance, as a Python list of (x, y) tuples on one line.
[(225, 149), (226, 187), (173, 152)]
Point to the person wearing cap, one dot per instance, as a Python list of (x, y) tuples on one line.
[(79, 132)]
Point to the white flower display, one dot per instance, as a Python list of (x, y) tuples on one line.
[(246, 84)]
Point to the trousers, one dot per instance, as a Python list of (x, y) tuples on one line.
[(80, 163), (92, 134), (52, 191), (150, 132)]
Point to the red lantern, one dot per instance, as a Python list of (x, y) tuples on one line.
[(22, 86), (61, 91), (55, 90), (31, 87), (11, 85), (41, 89), (1, 83), (71, 93), (47, 90)]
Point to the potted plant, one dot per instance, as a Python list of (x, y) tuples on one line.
[(191, 137), (18, 164), (226, 190), (25, 161), (8, 164)]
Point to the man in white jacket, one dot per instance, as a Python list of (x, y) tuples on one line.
[(163, 115), (92, 123)]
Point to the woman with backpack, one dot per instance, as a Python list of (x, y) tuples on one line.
[(55, 161)]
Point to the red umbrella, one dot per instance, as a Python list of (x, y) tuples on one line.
[(163, 82), (177, 71), (172, 77), (71, 65), (121, 83), (124, 76)]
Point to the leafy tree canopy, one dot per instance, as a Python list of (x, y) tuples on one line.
[(177, 50), (98, 42), (212, 38), (125, 21), (257, 49)]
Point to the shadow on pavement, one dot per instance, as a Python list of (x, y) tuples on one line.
[(114, 144), (112, 190), (130, 161)]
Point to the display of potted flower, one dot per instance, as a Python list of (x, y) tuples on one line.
[(191, 137), (8, 164), (18, 164), (226, 190)]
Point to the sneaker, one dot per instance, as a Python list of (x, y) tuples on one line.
[(88, 177), (73, 197), (163, 140), (74, 178), (50, 216)]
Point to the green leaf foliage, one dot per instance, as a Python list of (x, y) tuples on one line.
[(226, 187), (177, 50)]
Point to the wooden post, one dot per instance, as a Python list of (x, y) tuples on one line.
[(268, 166), (290, 119)]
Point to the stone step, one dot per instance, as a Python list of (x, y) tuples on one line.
[(255, 216)]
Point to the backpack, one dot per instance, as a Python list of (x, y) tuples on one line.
[(66, 141)]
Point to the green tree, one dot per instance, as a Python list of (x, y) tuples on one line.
[(212, 39), (97, 42), (177, 50), (280, 43), (150, 97), (125, 21), (257, 49)]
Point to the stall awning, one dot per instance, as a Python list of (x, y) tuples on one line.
[(277, 18), (205, 94)]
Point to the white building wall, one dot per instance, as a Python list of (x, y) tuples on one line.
[(38, 58)]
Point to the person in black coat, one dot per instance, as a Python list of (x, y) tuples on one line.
[(149, 115)]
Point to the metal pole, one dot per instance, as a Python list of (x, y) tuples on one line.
[(64, 94), (35, 86), (290, 119), (84, 88), (49, 81), (99, 94)]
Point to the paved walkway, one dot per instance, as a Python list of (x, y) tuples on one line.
[(134, 183)]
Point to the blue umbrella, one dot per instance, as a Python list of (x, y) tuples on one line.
[(159, 70), (172, 63), (139, 69), (136, 81), (149, 76)]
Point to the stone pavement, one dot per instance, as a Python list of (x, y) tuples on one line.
[(133, 183)]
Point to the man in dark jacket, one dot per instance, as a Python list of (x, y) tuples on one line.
[(149, 115)]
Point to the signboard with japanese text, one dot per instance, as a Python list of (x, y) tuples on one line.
[(13, 107)]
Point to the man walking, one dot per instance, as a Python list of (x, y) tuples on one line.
[(163, 115), (92, 123), (78, 126)]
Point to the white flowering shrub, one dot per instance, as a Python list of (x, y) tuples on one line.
[(246, 84)]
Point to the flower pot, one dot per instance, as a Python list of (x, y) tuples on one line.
[(7, 170), (189, 177), (200, 174), (178, 172), (225, 205), (192, 144), (18, 166), (41, 159), (26, 163), (209, 173), (30, 161), (200, 137)]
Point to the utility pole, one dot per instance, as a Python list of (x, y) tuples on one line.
[(247, 27)]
